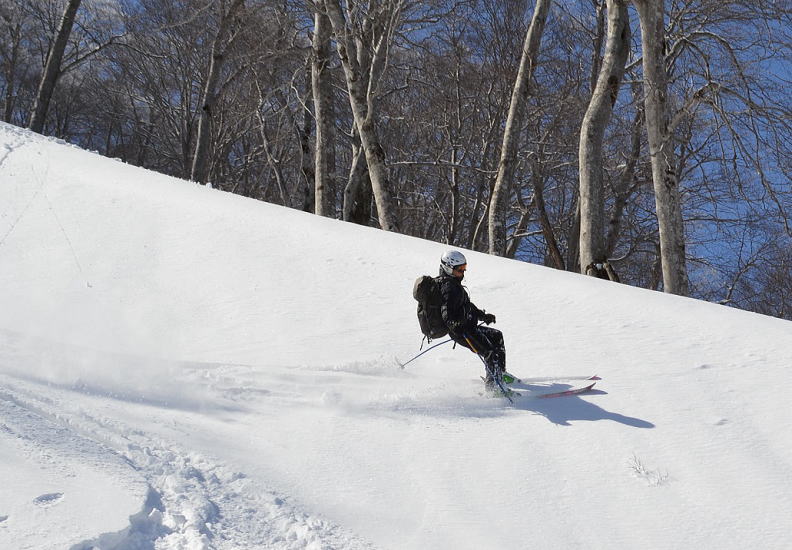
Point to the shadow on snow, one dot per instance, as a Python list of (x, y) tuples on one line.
[(564, 410)]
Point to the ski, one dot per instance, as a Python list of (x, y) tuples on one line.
[(571, 391), (542, 379), (509, 393)]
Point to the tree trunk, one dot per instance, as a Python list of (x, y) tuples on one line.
[(307, 163), (499, 201), (453, 188), (361, 83), (10, 73), (357, 193), (53, 67), (599, 38), (200, 164), (592, 132), (323, 111), (625, 184), (553, 252), (274, 163), (573, 241), (477, 220), (661, 148)]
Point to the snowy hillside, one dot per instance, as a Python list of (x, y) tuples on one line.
[(185, 368)]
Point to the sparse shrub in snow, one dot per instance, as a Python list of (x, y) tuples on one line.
[(654, 478)]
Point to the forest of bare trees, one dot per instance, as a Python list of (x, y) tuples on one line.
[(644, 142)]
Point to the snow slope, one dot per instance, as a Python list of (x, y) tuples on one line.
[(185, 368)]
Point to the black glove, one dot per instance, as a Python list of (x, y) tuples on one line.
[(488, 318)]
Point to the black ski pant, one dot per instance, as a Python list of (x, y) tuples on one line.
[(488, 343)]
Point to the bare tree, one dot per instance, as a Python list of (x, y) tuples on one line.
[(200, 170), (499, 201), (593, 259), (321, 84), (52, 68), (363, 56), (661, 147), (13, 28)]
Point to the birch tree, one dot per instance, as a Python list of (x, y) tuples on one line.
[(668, 201), (499, 201), (321, 85), (200, 164), (358, 191), (363, 52), (593, 259)]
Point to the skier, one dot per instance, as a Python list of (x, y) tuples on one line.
[(461, 317)]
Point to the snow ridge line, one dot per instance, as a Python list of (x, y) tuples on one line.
[(193, 502)]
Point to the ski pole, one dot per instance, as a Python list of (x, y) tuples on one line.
[(402, 365)]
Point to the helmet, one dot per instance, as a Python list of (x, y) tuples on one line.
[(452, 259)]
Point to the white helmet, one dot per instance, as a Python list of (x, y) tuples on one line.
[(452, 259)]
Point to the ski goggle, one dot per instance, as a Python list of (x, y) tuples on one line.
[(461, 268)]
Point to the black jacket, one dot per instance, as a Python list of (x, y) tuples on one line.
[(459, 313)]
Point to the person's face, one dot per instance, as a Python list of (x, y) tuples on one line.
[(459, 271)]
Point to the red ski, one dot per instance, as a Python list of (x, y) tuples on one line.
[(589, 382), (571, 391)]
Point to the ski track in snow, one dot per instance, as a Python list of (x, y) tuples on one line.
[(65, 460), (9, 148), (193, 502)]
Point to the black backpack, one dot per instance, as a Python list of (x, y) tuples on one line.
[(427, 292)]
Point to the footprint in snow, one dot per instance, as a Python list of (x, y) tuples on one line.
[(48, 499)]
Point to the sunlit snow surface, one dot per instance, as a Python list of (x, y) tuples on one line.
[(184, 368)]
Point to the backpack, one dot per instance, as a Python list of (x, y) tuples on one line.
[(427, 292)]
